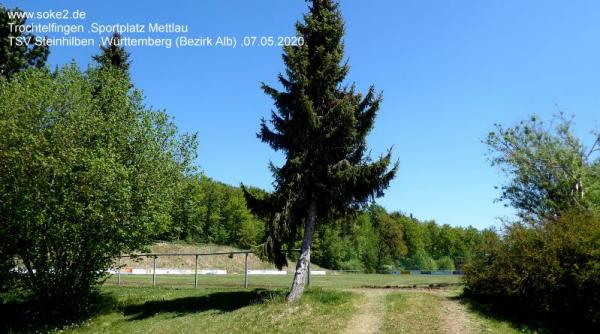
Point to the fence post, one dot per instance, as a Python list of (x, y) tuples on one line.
[(154, 271), (308, 276), (196, 273), (246, 271), (119, 272)]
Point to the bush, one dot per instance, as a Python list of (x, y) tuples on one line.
[(386, 269), (550, 270), (421, 260), (352, 264), (445, 263), (86, 173)]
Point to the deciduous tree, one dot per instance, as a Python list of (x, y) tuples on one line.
[(549, 168), (79, 186)]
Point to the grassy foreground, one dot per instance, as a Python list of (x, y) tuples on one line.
[(208, 310), (437, 311), (167, 310), (333, 304)]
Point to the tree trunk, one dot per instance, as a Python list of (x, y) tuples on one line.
[(304, 259)]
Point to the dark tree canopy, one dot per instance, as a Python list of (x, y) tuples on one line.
[(321, 126), (114, 54), (13, 56)]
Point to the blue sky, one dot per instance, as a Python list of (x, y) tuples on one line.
[(449, 70)]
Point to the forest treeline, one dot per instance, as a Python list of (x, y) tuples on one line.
[(371, 240)]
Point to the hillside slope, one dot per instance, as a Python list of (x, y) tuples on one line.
[(233, 263)]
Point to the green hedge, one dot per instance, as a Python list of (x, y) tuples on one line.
[(549, 271)]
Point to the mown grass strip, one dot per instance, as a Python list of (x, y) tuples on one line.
[(164, 310)]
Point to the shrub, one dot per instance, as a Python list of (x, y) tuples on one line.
[(445, 263), (421, 260), (86, 173), (352, 264), (550, 270)]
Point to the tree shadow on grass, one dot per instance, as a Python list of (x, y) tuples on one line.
[(20, 313), (516, 317), (218, 301)]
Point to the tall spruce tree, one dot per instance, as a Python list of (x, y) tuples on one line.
[(113, 54), (18, 50), (321, 127)]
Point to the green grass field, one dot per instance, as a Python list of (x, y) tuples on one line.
[(333, 304), (167, 310), (258, 310), (274, 281)]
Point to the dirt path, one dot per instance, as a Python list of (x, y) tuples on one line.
[(453, 315), (369, 316), (370, 312)]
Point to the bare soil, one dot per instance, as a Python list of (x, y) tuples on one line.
[(371, 309)]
